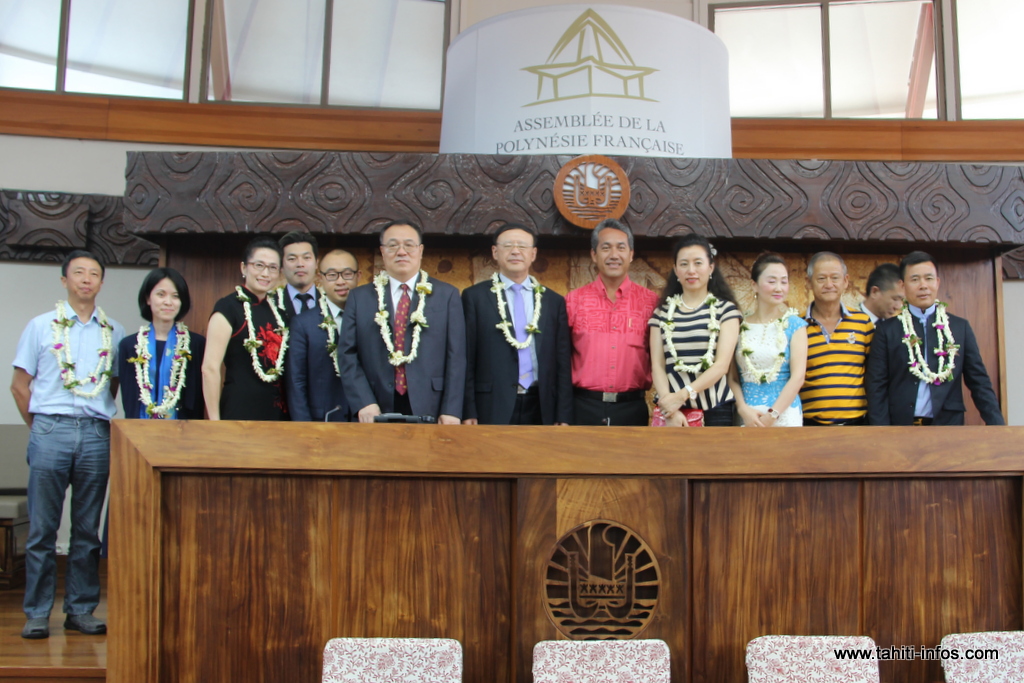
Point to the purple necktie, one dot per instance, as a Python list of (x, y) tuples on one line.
[(525, 359)]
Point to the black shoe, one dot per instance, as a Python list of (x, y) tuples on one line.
[(86, 623), (36, 628)]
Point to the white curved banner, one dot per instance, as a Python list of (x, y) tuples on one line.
[(587, 79)]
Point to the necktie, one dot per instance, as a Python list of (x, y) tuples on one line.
[(519, 314), (305, 299), (401, 322)]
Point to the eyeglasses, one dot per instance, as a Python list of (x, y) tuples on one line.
[(393, 247), (509, 246), (347, 274), (260, 267)]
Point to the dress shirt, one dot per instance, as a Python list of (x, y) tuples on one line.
[(611, 352), (396, 291), (336, 312), (923, 407), (297, 304), (528, 303), (35, 356), (865, 309)]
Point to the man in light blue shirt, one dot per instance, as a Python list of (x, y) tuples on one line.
[(65, 382)]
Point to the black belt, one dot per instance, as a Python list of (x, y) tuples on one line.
[(532, 391), (811, 422), (923, 421), (611, 396)]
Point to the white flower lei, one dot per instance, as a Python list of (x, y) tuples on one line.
[(754, 374), (329, 325), (498, 287), (175, 383), (946, 350), (62, 350), (668, 325), (418, 320), (251, 343)]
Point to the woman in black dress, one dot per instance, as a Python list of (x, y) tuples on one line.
[(160, 366), (247, 335)]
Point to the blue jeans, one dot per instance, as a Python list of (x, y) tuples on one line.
[(61, 451)]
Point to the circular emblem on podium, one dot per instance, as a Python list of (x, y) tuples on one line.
[(601, 582), (591, 188)]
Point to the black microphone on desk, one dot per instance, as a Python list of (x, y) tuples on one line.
[(332, 410), (407, 419)]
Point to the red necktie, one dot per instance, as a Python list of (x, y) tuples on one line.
[(401, 322)]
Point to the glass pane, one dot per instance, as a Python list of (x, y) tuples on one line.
[(29, 32), (774, 60), (991, 80), (127, 47), (873, 49), (387, 53), (267, 50)]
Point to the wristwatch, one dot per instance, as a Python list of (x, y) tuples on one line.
[(774, 413), (690, 393)]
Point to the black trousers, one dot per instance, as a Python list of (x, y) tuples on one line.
[(595, 412), (527, 409), (719, 416)]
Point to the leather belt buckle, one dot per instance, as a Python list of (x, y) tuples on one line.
[(520, 389), (609, 397)]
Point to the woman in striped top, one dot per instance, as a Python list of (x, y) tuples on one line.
[(693, 337)]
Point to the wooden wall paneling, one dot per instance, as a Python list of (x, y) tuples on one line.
[(816, 139), (771, 557), (250, 601), (134, 565), (999, 374), (656, 509), (940, 556), (466, 194), (426, 558)]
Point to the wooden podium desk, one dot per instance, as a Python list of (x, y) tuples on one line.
[(237, 549)]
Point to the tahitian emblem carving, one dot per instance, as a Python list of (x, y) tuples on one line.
[(601, 582), (591, 188)]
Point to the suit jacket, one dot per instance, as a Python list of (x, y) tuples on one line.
[(436, 378), (191, 406), (311, 385), (492, 364), (892, 390)]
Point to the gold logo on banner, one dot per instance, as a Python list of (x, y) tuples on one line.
[(589, 60), (591, 188), (601, 582)]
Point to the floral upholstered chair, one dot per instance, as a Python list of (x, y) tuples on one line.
[(601, 661), (392, 660), (809, 659), (1007, 666)]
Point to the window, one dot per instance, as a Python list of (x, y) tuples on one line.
[(991, 78), (832, 58)]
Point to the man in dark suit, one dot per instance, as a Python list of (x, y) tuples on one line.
[(299, 269), (311, 369), (905, 383), (420, 319), (516, 375)]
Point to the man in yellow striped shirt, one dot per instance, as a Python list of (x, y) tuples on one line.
[(838, 340)]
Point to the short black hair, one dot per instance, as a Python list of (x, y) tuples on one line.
[(262, 243), (595, 235), (401, 221), (885, 277), (81, 253), (299, 237), (514, 226), (914, 258), (152, 280)]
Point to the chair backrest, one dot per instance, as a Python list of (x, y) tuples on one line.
[(995, 657), (802, 659), (394, 660), (601, 661)]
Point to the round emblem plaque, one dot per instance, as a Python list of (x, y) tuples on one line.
[(591, 188), (601, 582)]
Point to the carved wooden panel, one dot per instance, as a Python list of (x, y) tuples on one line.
[(45, 226), (1013, 265), (343, 192)]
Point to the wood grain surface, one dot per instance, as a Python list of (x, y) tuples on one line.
[(940, 556)]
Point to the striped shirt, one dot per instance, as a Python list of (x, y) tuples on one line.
[(690, 338), (833, 390)]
